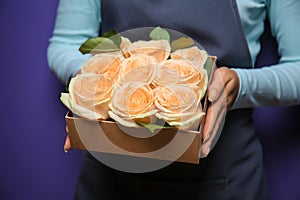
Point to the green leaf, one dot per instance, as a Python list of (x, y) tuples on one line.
[(181, 43), (159, 33), (98, 45), (153, 127), (110, 33), (114, 36), (208, 66), (67, 88)]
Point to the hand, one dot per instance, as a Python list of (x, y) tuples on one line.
[(222, 93)]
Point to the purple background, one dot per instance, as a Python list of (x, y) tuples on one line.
[(33, 164)]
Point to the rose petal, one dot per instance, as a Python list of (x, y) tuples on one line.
[(159, 49), (125, 42), (140, 68), (106, 64), (193, 54), (128, 116), (124, 122), (83, 112), (197, 116), (178, 72), (90, 92), (133, 101), (191, 124), (175, 99)]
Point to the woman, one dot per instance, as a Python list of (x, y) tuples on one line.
[(232, 167)]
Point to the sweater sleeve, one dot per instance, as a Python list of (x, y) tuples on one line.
[(279, 84), (76, 21)]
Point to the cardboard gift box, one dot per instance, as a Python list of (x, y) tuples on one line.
[(110, 137)]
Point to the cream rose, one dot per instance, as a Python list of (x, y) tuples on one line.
[(131, 102), (178, 105), (138, 67), (193, 54), (106, 64), (159, 49), (182, 72), (89, 95)]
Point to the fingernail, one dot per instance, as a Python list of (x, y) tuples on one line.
[(206, 138), (212, 95)]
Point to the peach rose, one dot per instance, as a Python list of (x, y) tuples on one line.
[(178, 105), (131, 102), (138, 67), (193, 54), (182, 72), (106, 64), (89, 95), (159, 49)]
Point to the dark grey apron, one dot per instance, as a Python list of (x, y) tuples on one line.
[(233, 169)]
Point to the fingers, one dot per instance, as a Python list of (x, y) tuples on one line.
[(216, 111), (232, 88), (222, 93), (217, 85), (207, 121), (231, 91), (224, 82), (67, 145), (213, 125)]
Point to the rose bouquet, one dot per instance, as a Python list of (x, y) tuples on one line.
[(141, 83)]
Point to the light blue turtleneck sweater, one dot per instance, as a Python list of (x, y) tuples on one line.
[(276, 85)]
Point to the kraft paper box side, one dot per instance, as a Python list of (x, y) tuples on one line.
[(110, 137)]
